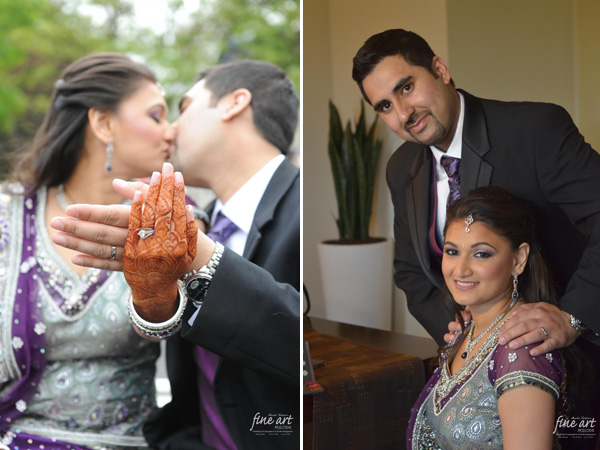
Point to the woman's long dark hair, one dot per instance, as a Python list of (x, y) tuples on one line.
[(512, 218), (100, 80)]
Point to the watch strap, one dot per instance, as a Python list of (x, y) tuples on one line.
[(196, 283)]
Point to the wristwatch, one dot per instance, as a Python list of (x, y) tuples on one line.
[(576, 323), (195, 283)]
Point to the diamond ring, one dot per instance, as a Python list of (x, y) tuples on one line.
[(545, 332), (145, 232), (113, 253)]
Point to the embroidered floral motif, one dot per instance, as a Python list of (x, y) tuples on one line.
[(549, 357), (29, 203), (28, 264), (21, 405), (512, 357), (39, 328), (492, 364), (8, 437), (17, 342)]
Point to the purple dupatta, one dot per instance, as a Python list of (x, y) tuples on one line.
[(28, 343)]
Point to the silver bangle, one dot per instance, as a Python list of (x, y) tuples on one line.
[(160, 330)]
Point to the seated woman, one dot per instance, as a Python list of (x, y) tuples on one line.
[(483, 393), (73, 372)]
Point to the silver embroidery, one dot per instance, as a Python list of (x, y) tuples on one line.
[(512, 357), (521, 377), (39, 328), (21, 405), (17, 343)]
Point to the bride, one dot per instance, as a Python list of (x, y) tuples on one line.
[(484, 393)]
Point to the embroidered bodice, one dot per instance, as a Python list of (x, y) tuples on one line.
[(460, 411), (97, 387)]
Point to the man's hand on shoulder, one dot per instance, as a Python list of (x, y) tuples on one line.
[(534, 322)]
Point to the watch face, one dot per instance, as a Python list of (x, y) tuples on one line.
[(196, 287)]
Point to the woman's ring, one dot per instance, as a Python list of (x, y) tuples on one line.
[(145, 232), (113, 253), (545, 332)]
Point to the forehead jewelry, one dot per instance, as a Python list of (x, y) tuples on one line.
[(469, 221)]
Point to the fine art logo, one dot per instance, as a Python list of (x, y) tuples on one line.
[(575, 427), (272, 424)]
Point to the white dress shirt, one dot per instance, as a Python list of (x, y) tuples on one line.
[(241, 207), (443, 188)]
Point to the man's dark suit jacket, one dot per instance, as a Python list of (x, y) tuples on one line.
[(533, 150), (250, 317)]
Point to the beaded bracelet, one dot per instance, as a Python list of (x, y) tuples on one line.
[(160, 330)]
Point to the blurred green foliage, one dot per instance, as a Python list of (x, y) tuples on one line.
[(40, 38)]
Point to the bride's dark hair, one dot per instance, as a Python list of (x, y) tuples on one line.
[(99, 80)]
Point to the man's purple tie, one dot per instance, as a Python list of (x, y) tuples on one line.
[(452, 167), (214, 431), (222, 229)]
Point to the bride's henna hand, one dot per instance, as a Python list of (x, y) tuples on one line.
[(153, 265)]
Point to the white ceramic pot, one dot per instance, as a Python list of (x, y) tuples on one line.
[(357, 283)]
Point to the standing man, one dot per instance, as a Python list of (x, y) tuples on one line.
[(234, 368), (456, 142)]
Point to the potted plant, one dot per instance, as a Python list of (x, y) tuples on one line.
[(356, 268)]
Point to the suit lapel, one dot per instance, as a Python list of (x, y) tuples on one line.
[(474, 170), (418, 203), (276, 189)]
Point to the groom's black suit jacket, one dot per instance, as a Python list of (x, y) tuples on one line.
[(533, 150), (250, 317)]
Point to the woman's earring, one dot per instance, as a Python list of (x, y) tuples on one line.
[(110, 148), (515, 292)]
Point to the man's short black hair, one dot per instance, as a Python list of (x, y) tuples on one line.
[(274, 98)]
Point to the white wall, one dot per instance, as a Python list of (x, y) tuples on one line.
[(332, 33)]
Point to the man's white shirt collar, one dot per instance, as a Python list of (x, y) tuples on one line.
[(240, 208), (442, 187), (455, 149)]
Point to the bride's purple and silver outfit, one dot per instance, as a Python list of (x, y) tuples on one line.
[(73, 372)]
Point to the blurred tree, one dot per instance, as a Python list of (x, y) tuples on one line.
[(40, 38), (219, 31)]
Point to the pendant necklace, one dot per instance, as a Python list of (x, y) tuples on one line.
[(471, 344)]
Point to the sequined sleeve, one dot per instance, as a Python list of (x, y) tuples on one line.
[(511, 368)]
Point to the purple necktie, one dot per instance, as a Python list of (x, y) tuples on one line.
[(214, 431), (222, 228), (452, 167)]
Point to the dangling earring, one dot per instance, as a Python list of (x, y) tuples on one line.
[(515, 293), (110, 148)]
